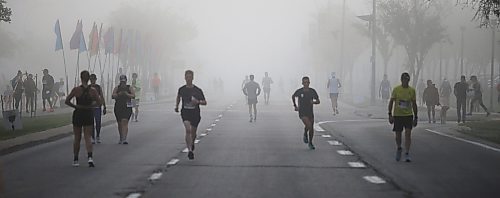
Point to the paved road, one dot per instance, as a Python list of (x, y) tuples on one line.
[(263, 159)]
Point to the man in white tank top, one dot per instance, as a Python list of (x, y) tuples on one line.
[(333, 86)]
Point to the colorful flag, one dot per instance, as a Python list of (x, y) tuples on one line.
[(75, 39), (93, 41), (82, 47), (109, 41), (57, 30)]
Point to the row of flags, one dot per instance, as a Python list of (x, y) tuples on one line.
[(129, 43)]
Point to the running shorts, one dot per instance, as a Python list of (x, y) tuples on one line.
[(252, 101), (267, 89), (46, 94), (334, 95), (123, 113), (402, 122), (83, 117), (193, 116)]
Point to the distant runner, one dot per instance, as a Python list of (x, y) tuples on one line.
[(252, 90), (384, 90), (96, 134), (404, 101), (307, 98), (136, 84), (266, 85), (192, 97), (333, 85), (123, 95)]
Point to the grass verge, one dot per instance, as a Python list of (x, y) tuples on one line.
[(36, 124), (486, 130)]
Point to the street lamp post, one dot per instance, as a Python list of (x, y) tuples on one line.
[(374, 43), (462, 29)]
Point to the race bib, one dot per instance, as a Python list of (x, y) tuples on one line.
[(404, 104), (190, 105), (130, 104)]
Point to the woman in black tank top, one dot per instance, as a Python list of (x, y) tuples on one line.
[(86, 99), (123, 94)]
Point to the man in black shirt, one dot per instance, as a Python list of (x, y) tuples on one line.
[(192, 97), (47, 86), (29, 92), (18, 87), (478, 95), (307, 98), (460, 91)]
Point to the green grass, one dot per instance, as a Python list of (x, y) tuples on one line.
[(36, 124), (486, 130)]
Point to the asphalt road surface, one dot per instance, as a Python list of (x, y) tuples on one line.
[(354, 157)]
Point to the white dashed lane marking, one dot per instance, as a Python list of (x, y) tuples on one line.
[(196, 141), (334, 143), (203, 134), (326, 136), (345, 152), (172, 162), (155, 176), (212, 125), (374, 179), (209, 129), (134, 195), (357, 164), (317, 127)]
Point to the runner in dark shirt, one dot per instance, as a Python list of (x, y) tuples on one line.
[(192, 97), (460, 91), (29, 92), (307, 98)]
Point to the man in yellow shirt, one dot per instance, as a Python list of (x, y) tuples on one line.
[(404, 101)]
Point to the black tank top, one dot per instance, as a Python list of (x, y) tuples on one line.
[(122, 100), (85, 99)]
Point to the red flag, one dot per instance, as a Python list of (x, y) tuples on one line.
[(93, 41)]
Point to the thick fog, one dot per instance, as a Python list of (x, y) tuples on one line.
[(229, 39)]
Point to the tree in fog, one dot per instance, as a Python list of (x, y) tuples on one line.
[(416, 26), (5, 12), (485, 9)]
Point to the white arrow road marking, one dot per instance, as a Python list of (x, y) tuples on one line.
[(345, 152), (334, 143), (357, 164), (326, 136), (374, 179), (172, 162), (134, 195), (155, 176), (185, 150), (464, 140)]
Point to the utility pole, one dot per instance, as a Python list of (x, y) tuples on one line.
[(462, 29), (492, 64), (374, 43)]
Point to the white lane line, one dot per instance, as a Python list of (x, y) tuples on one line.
[(213, 125), (220, 116), (134, 195), (357, 164), (345, 152), (155, 176), (196, 141), (374, 179), (203, 134), (317, 127), (172, 162), (185, 150), (216, 120), (334, 143), (209, 129), (464, 140), (368, 120), (326, 136)]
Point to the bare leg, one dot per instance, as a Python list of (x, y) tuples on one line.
[(398, 139), (87, 135), (308, 123), (77, 131), (188, 137), (124, 123), (254, 112), (407, 140)]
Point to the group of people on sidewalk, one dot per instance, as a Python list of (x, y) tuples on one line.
[(25, 83)]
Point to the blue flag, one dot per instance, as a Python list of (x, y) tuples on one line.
[(83, 46), (57, 30)]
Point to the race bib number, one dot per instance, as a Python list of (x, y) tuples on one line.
[(403, 104), (130, 104)]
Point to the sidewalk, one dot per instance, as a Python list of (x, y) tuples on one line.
[(33, 139)]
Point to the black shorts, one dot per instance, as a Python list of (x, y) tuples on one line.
[(123, 113), (193, 116), (402, 122), (46, 94), (252, 101), (308, 114), (83, 117)]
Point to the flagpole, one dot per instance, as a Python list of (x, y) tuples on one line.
[(65, 73)]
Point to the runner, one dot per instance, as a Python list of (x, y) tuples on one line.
[(333, 85), (404, 101), (136, 84), (307, 98), (266, 85), (192, 97), (86, 99), (48, 84), (123, 94), (431, 99), (460, 91), (29, 92), (478, 95), (384, 90), (96, 131), (57, 92), (252, 90)]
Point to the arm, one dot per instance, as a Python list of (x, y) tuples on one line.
[(391, 104), (177, 101), (316, 98), (340, 85), (202, 101), (68, 99), (115, 93), (258, 89), (245, 90), (132, 92)]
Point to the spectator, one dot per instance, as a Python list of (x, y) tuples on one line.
[(431, 99), (57, 92), (47, 86), (17, 86), (29, 92), (7, 97)]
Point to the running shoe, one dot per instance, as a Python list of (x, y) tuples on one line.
[(75, 163), (305, 139), (311, 146), (120, 142), (93, 141), (407, 157), (191, 155), (398, 154), (98, 140), (125, 142), (91, 162)]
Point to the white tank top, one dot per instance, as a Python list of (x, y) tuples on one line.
[(334, 85)]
